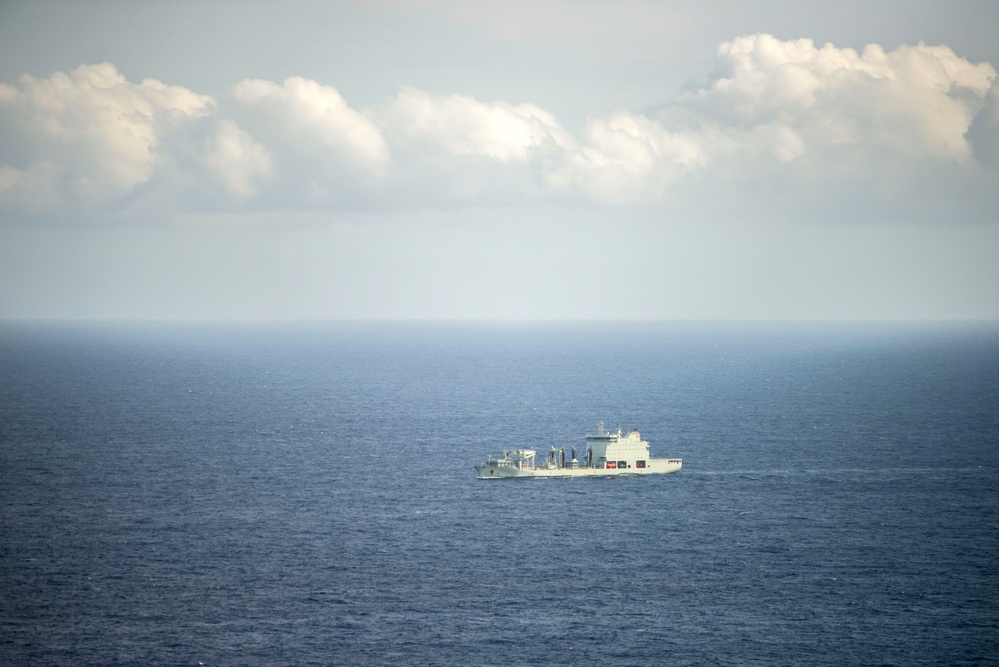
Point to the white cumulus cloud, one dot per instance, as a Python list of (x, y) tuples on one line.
[(462, 125), (237, 159), (320, 150), (772, 102), (916, 101), (630, 158), (455, 149), (773, 111), (316, 114), (89, 134)]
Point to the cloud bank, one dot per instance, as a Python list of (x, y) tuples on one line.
[(87, 137), (91, 141)]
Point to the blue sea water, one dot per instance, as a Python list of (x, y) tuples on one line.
[(261, 494)]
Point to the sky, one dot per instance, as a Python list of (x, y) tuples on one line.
[(523, 160)]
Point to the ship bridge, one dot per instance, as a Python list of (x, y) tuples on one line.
[(606, 449)]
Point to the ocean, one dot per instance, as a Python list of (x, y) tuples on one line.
[(304, 494)]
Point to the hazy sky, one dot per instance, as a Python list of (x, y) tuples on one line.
[(530, 159)]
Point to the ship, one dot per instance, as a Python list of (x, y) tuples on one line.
[(607, 454)]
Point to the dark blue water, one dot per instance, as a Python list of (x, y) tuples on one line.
[(304, 494)]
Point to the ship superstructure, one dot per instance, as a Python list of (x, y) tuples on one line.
[(607, 453)]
